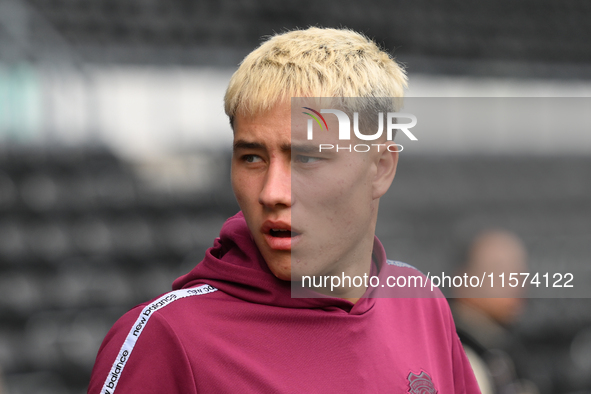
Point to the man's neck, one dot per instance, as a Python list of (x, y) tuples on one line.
[(353, 293)]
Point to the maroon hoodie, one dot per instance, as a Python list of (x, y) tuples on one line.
[(230, 326)]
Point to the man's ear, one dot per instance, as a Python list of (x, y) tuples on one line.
[(386, 169)]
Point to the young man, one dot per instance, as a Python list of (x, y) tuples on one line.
[(231, 324)]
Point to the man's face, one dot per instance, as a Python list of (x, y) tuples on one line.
[(310, 213)]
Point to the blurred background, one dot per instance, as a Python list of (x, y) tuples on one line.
[(114, 159)]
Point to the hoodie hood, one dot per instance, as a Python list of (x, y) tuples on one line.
[(235, 266)]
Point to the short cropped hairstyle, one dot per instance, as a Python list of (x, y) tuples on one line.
[(315, 62)]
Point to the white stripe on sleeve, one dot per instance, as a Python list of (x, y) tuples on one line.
[(138, 327)]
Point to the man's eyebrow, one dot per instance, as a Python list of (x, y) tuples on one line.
[(242, 144), (300, 148), (304, 148)]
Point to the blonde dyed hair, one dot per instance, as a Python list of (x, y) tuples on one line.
[(315, 62)]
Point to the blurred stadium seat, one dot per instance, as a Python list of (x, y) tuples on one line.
[(83, 239)]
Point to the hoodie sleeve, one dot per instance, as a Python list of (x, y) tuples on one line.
[(155, 363)]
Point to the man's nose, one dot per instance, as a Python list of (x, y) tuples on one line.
[(277, 188)]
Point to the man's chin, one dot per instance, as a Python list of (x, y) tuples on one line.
[(282, 274), (281, 269), (287, 273)]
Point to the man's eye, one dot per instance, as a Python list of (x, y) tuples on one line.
[(251, 158), (306, 159)]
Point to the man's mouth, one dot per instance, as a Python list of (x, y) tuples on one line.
[(280, 233)]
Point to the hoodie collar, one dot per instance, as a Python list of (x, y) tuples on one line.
[(235, 266)]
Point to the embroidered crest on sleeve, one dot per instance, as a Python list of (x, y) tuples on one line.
[(420, 384)]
